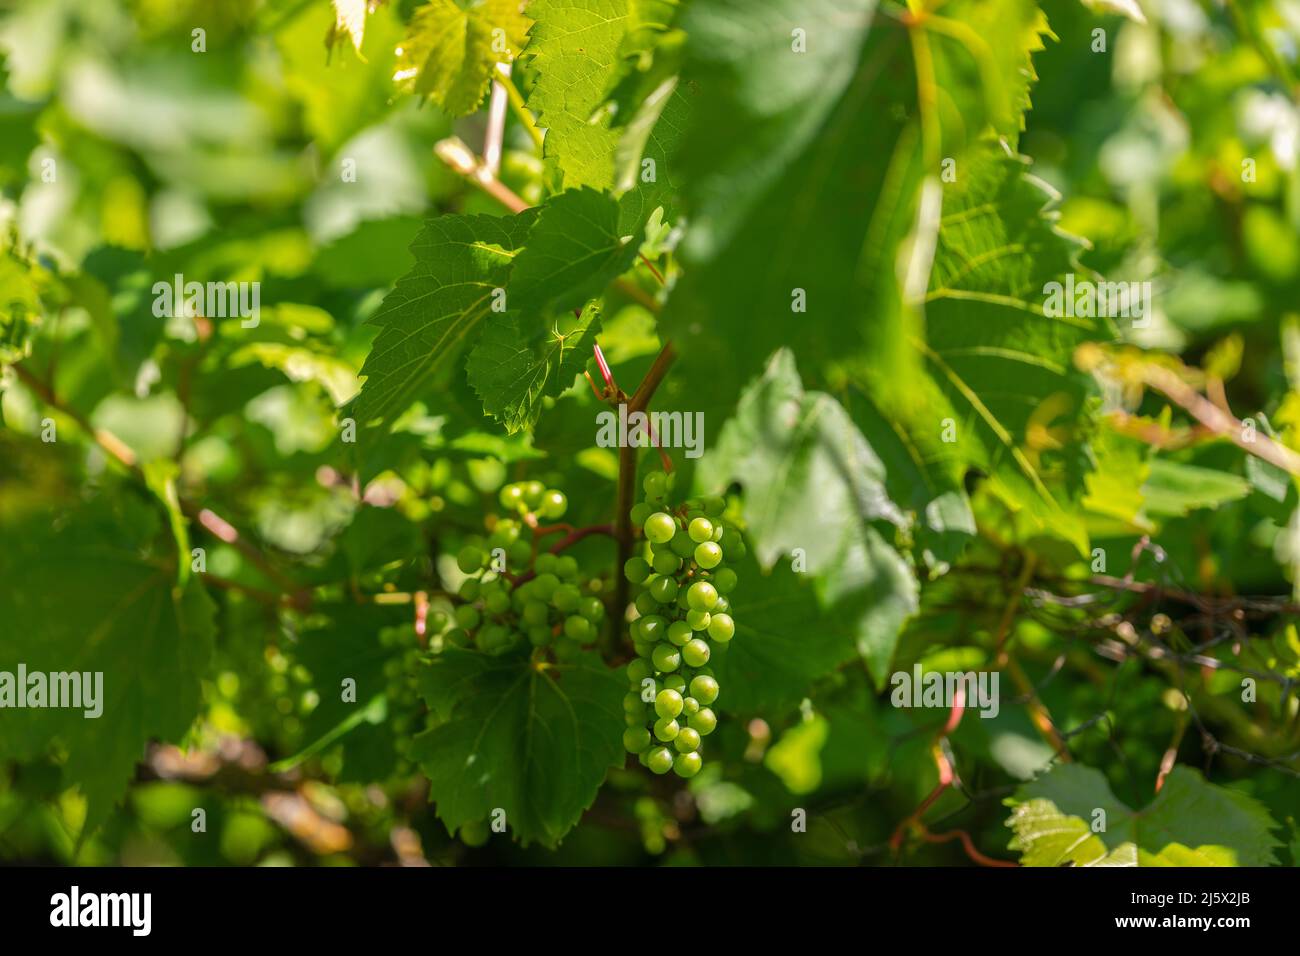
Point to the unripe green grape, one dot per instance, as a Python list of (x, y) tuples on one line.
[(544, 585), (687, 739), (637, 739), (703, 720), (554, 504), (704, 689), (666, 563), (655, 485), (675, 682), (519, 554), (579, 628), (437, 621), (690, 706), (535, 613), (679, 632), (723, 606), (510, 496), (668, 704), (533, 491), (632, 702), (682, 545), (701, 530), (469, 560), (565, 598), (714, 505), (591, 609), (639, 512), (566, 566), (540, 636), (545, 563), (635, 720), (646, 604), (721, 627), (687, 765), (666, 657), (457, 637), (696, 653), (643, 648), (498, 602), (708, 555), (698, 620), (664, 590), (724, 579), (666, 729), (636, 570), (637, 671), (660, 527), (467, 616), (701, 596), (652, 627), (660, 760), (505, 533)]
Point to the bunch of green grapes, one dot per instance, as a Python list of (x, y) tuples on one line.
[(684, 620), (514, 594)]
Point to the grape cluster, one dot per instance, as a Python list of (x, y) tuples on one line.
[(548, 607), (684, 619)]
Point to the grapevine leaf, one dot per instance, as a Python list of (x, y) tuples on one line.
[(984, 67), (436, 308), (813, 483), (784, 640), (350, 21), (533, 741), (512, 371), (649, 54), (1189, 823), (574, 48), (573, 252), (795, 206), (1003, 367), (19, 306), (1174, 489), (450, 52), (151, 641)]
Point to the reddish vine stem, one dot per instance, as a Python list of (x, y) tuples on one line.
[(573, 537)]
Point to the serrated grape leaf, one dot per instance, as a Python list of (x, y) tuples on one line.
[(574, 48), (573, 252), (20, 304), (451, 50), (1115, 484), (983, 65), (81, 595), (784, 640), (813, 484), (649, 54), (535, 741), (1174, 489), (1189, 823), (940, 512), (512, 371), (794, 205), (435, 310), (1003, 367), (350, 20)]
